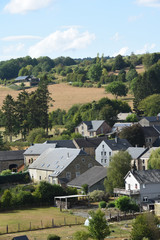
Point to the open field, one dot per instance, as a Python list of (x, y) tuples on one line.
[(119, 230), (65, 95)]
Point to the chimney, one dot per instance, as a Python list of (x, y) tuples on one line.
[(116, 139)]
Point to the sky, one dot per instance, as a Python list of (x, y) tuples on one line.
[(78, 28)]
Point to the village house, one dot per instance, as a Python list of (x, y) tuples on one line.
[(93, 177), (11, 160), (143, 160), (150, 121), (34, 151), (143, 187), (136, 153), (107, 148), (93, 128), (88, 145), (60, 165)]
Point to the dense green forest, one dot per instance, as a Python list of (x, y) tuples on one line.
[(117, 75)]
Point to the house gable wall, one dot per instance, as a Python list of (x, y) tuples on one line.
[(103, 154)]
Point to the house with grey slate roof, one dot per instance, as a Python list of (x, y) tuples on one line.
[(60, 165), (93, 128), (136, 153), (107, 148), (31, 154), (34, 151), (145, 157), (93, 177), (143, 187), (150, 121), (89, 145), (11, 160)]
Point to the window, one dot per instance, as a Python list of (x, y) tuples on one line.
[(144, 186), (101, 160), (77, 166), (68, 175), (143, 161), (136, 186), (109, 153), (39, 177), (82, 127), (83, 160), (104, 153), (129, 186), (89, 165), (145, 199), (144, 168), (101, 153), (105, 160), (77, 174), (102, 146)]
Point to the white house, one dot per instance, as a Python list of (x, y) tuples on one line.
[(142, 186), (108, 148)]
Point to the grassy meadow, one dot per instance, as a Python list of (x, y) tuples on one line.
[(42, 217)]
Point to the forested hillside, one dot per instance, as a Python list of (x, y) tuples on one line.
[(118, 76)]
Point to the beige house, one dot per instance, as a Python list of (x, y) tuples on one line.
[(93, 128), (60, 165)]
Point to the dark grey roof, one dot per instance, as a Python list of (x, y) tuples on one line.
[(118, 144), (153, 118), (150, 132), (156, 143), (38, 148), (157, 128), (11, 155), (147, 176), (24, 237), (90, 177), (136, 152), (56, 159), (89, 142), (61, 143)]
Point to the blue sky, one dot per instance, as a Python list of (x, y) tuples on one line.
[(78, 28)]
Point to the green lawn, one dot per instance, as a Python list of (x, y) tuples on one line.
[(36, 218), (42, 217)]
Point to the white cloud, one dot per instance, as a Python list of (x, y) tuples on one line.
[(116, 37), (70, 39), (23, 6), (149, 3), (146, 48), (135, 18), (13, 48), (17, 38), (122, 51)]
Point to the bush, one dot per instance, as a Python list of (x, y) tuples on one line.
[(81, 235), (124, 203), (98, 195), (102, 204), (53, 237), (111, 205)]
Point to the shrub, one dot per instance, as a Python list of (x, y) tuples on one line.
[(111, 205), (53, 237), (81, 235), (98, 195), (102, 204), (124, 203)]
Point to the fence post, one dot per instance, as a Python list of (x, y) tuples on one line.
[(7, 229), (30, 226), (52, 222), (41, 224)]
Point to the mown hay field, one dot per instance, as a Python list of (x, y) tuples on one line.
[(65, 96)]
